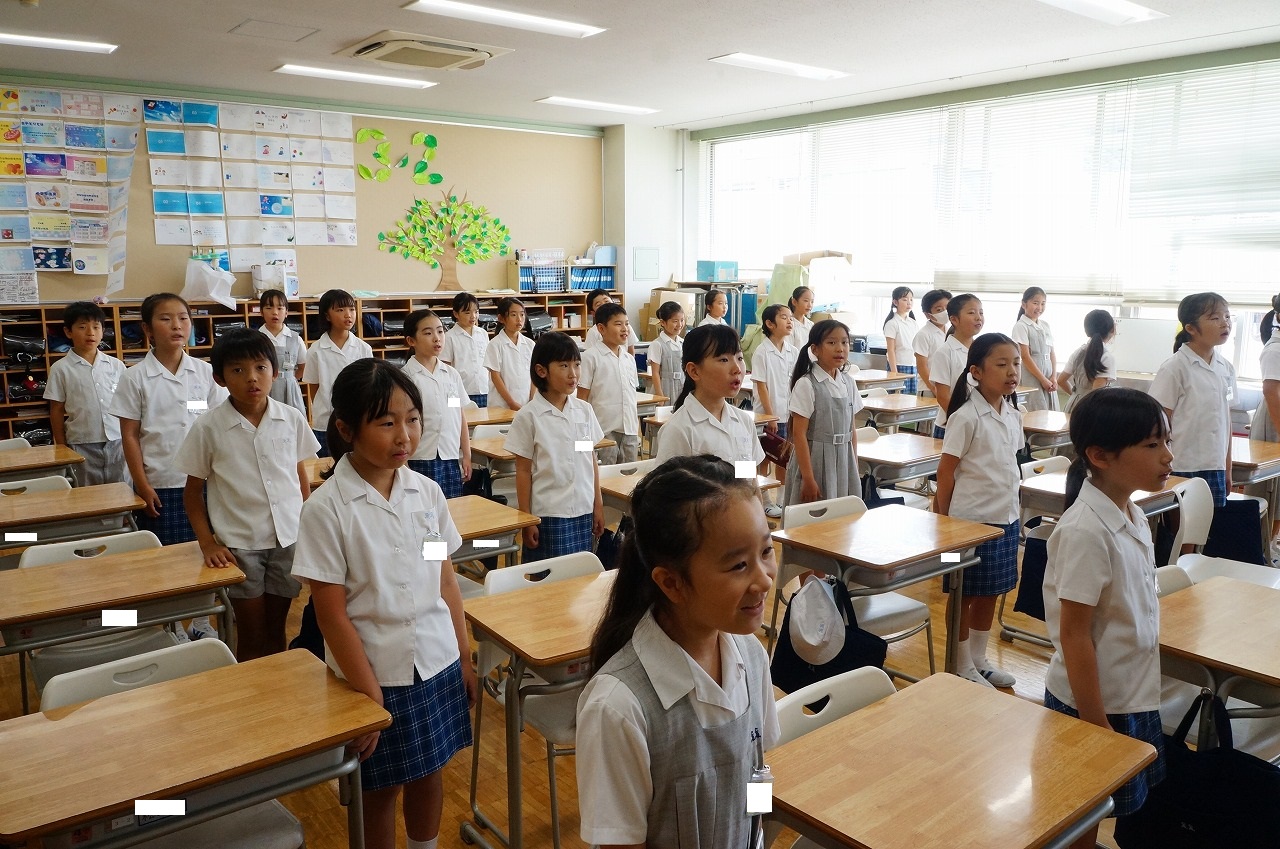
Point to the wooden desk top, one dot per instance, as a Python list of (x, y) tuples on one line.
[(492, 447), (901, 448), (1046, 421), (661, 418), (621, 486), (872, 376), (1254, 453), (83, 502), (37, 457), (316, 465), (887, 537), (546, 624), (1055, 484), (947, 763), (164, 740), (650, 398), (488, 415), (477, 517), (1226, 624), (897, 403), (112, 581)]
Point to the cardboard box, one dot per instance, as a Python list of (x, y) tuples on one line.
[(717, 271), (688, 302), (803, 259)]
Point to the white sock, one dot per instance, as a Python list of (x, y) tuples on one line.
[(423, 844), (964, 656), (978, 647)]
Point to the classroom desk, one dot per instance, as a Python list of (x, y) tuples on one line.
[(1046, 495), (647, 403), (616, 489), (491, 449), (1046, 429), (63, 603), (487, 528), (889, 381), (653, 423), (77, 513), (890, 774), (892, 411), (315, 466), (897, 457), (542, 627), (888, 548), (476, 416), (39, 461), (171, 739), (1254, 461)]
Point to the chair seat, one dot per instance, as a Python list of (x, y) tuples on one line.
[(1202, 568), (55, 660), (264, 826), (886, 614)]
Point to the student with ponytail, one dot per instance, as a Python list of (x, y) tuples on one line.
[(899, 333), (801, 304), (824, 401), (1035, 342), (1092, 365), (680, 704), (1266, 419)]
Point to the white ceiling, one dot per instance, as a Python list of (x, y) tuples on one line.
[(654, 53)]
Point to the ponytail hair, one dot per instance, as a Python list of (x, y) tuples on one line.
[(954, 306), (770, 314), (978, 353), (1191, 309), (1268, 324), (817, 334), (1111, 420), (669, 310), (1098, 325), (1031, 292), (708, 340), (796, 294), (361, 393), (900, 292), (670, 508)]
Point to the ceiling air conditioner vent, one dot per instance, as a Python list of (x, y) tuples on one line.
[(406, 50)]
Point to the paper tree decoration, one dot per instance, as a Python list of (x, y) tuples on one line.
[(422, 173), (446, 232)]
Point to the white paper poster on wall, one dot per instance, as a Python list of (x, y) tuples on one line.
[(311, 233), (19, 288), (168, 172), (243, 259), (340, 206), (208, 232), (235, 146), (240, 175), (339, 179), (244, 231), (335, 125), (242, 204), (89, 260), (173, 231)]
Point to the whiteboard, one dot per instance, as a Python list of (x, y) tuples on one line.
[(1142, 344)]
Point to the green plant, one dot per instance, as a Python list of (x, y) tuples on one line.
[(445, 232), (422, 173)]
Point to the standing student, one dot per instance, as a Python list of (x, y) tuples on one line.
[(978, 480), (1196, 387), (465, 345), (250, 451), (290, 351), (947, 363), (824, 401), (680, 704), (717, 304), (1266, 419), (158, 402), (771, 368), (507, 359), (1035, 344), (899, 332), (374, 547), (337, 348), (703, 421), (444, 452), (931, 335), (597, 298), (665, 351), (554, 438), (1100, 587), (608, 383), (801, 304), (1092, 365), (80, 387)]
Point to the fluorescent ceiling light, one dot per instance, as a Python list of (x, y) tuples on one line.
[(502, 18), (1114, 12), (595, 104), (351, 76), (56, 43), (777, 66)]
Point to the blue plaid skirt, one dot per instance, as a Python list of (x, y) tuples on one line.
[(939, 432), (481, 400), (558, 536), (997, 573), (171, 526), (910, 387), (1217, 480), (322, 436), (1143, 726), (447, 473), (430, 723)]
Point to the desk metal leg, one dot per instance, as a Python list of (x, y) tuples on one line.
[(1082, 825), (515, 818), (355, 810), (955, 612)]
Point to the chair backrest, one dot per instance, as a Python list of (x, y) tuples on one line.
[(845, 693), (470, 405), (52, 483), (486, 431), (875, 392), (639, 467), (130, 673), (866, 434), (1170, 579), (1042, 531), (15, 442), (87, 549), (1195, 514), (797, 515), (530, 574), (1056, 463)]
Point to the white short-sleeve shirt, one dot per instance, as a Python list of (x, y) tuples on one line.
[(166, 405), (1269, 359), (946, 364), (611, 377), (376, 548), (692, 430), (711, 319), (667, 351), (1104, 558), (773, 367), (800, 328), (928, 339), (594, 337), (252, 473), (803, 396), (465, 352), (86, 390), (1076, 361), (443, 395), (1021, 334), (510, 360), (902, 330), (987, 478), (1200, 395), (564, 482), (615, 787), (325, 361)]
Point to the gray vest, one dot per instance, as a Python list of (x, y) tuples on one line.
[(699, 775), (832, 420)]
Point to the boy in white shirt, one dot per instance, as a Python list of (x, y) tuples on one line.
[(597, 298), (250, 449), (444, 452), (81, 386), (330, 354), (465, 345), (507, 359), (608, 384)]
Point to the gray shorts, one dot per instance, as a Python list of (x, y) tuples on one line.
[(268, 570), (103, 462)]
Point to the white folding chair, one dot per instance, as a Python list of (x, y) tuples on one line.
[(548, 705), (892, 616), (639, 467), (1254, 711), (1180, 680), (15, 442), (502, 473), (1202, 568), (914, 500), (1056, 463), (1195, 515), (845, 693), (30, 486), (263, 826)]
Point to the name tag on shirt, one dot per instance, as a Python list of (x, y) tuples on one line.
[(197, 406), (760, 792), (583, 445), (434, 548), (455, 403)]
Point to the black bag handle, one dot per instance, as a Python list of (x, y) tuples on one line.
[(1221, 721), (844, 602)]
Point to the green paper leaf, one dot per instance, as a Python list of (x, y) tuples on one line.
[(436, 179), (362, 135), (383, 175), (404, 161), (430, 154), (429, 141), (382, 237), (419, 138), (364, 172), (382, 149), (377, 134), (420, 167), (420, 179), (379, 157)]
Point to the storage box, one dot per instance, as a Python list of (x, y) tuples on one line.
[(605, 255), (717, 271)]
